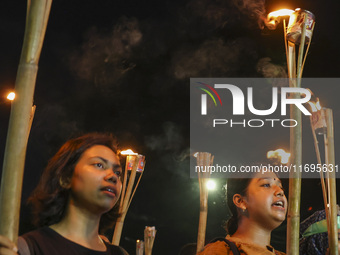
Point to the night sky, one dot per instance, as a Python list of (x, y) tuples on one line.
[(124, 67)]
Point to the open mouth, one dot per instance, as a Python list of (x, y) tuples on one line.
[(109, 190), (279, 204)]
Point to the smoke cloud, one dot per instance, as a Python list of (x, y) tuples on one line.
[(270, 70), (170, 139), (215, 57), (254, 9), (105, 58)]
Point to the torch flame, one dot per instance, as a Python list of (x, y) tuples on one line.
[(11, 96), (279, 13), (128, 152), (279, 153), (273, 18)]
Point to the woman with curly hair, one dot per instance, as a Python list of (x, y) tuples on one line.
[(75, 200)]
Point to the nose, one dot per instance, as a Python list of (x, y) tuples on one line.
[(279, 192), (111, 176)]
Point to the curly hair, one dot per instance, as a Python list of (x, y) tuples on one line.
[(49, 199)]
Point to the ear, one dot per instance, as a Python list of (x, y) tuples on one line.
[(66, 184), (240, 202)]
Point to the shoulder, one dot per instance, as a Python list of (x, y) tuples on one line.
[(216, 248), (43, 240), (23, 246), (38, 234), (115, 249), (44, 232)]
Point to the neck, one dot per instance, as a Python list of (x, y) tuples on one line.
[(80, 226), (251, 232)]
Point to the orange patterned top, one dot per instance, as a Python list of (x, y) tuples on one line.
[(221, 248)]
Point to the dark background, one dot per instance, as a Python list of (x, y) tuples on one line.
[(124, 67)]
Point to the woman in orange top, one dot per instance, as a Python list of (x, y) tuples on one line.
[(258, 206)]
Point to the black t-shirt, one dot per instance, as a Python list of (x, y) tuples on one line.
[(45, 241)]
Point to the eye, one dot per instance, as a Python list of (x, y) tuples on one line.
[(99, 165), (118, 173), (266, 185)]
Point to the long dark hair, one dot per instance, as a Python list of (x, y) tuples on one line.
[(234, 186), (49, 199)]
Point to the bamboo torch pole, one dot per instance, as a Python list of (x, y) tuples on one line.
[(127, 192), (318, 122), (330, 162), (149, 238), (204, 160), (318, 157), (293, 216), (21, 113)]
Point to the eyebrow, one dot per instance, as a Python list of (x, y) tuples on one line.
[(268, 178), (108, 162)]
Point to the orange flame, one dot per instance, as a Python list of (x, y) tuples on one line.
[(128, 152), (11, 96), (279, 13), (279, 153), (273, 18)]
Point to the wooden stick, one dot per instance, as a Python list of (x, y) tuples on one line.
[(126, 200), (330, 161), (203, 159), (291, 61), (318, 157), (19, 123), (128, 159), (285, 39), (293, 216), (310, 40), (136, 186)]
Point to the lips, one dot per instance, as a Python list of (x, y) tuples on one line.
[(109, 190), (280, 204)]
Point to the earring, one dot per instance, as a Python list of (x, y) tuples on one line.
[(244, 210), (64, 184)]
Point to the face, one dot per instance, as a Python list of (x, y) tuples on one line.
[(265, 201), (96, 183)]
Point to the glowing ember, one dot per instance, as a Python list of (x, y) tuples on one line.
[(279, 153), (273, 18), (11, 96), (128, 152)]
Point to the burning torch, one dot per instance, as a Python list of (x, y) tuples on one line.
[(134, 163), (298, 33), (279, 155), (322, 124)]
